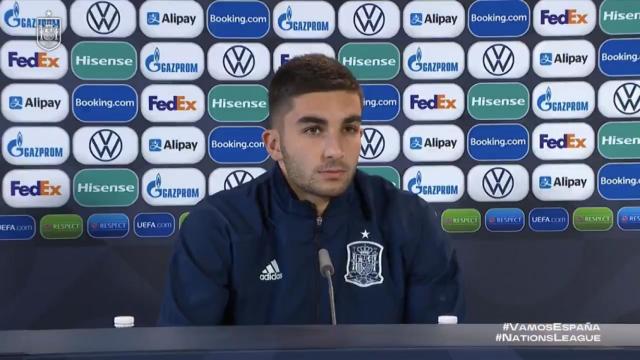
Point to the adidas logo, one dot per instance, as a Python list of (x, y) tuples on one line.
[(271, 272)]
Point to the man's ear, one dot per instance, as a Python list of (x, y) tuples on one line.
[(271, 140)]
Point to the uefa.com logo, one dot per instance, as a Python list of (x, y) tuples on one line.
[(167, 19), (304, 19), (148, 225), (238, 19), (497, 18), (22, 18), (172, 61), (17, 227), (29, 103)]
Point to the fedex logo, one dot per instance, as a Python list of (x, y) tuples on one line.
[(568, 141), (38, 60), (438, 101), (569, 17), (177, 103), (41, 188)]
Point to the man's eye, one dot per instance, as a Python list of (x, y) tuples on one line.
[(312, 130), (352, 129)]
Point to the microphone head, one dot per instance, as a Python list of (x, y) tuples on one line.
[(326, 267)]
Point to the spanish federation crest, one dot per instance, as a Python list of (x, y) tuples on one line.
[(48, 31), (364, 263)]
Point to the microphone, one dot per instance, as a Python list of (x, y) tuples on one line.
[(326, 269)]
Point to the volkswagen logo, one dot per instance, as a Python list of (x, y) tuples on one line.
[(103, 17), (239, 61), (498, 60), (627, 98), (368, 19), (237, 178), (371, 144), (498, 183), (105, 145)]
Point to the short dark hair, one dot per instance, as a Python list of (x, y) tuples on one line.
[(306, 74)]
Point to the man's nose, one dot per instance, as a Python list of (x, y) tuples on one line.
[(333, 147)]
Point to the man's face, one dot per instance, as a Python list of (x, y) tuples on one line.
[(319, 142)]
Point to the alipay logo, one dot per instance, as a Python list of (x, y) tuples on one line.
[(304, 19), (166, 19), (34, 103), (173, 187), (433, 19), (563, 182)]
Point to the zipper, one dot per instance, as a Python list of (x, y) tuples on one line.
[(316, 240)]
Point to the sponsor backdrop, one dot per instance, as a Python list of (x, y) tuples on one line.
[(519, 121)]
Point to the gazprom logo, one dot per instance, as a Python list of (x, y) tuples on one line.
[(548, 219), (36, 146), (304, 19), (446, 186), (504, 220), (381, 102), (22, 18), (434, 60), (497, 18), (175, 186), (237, 144), (172, 61)]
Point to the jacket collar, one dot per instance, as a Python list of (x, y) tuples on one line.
[(290, 203)]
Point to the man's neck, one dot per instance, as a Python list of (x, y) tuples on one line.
[(320, 203)]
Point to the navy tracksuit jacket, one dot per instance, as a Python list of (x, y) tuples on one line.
[(249, 256)]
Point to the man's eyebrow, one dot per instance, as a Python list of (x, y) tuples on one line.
[(352, 119), (306, 120)]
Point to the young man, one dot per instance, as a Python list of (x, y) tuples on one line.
[(250, 255)]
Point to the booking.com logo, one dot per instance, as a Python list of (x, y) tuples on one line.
[(237, 144), (238, 19)]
